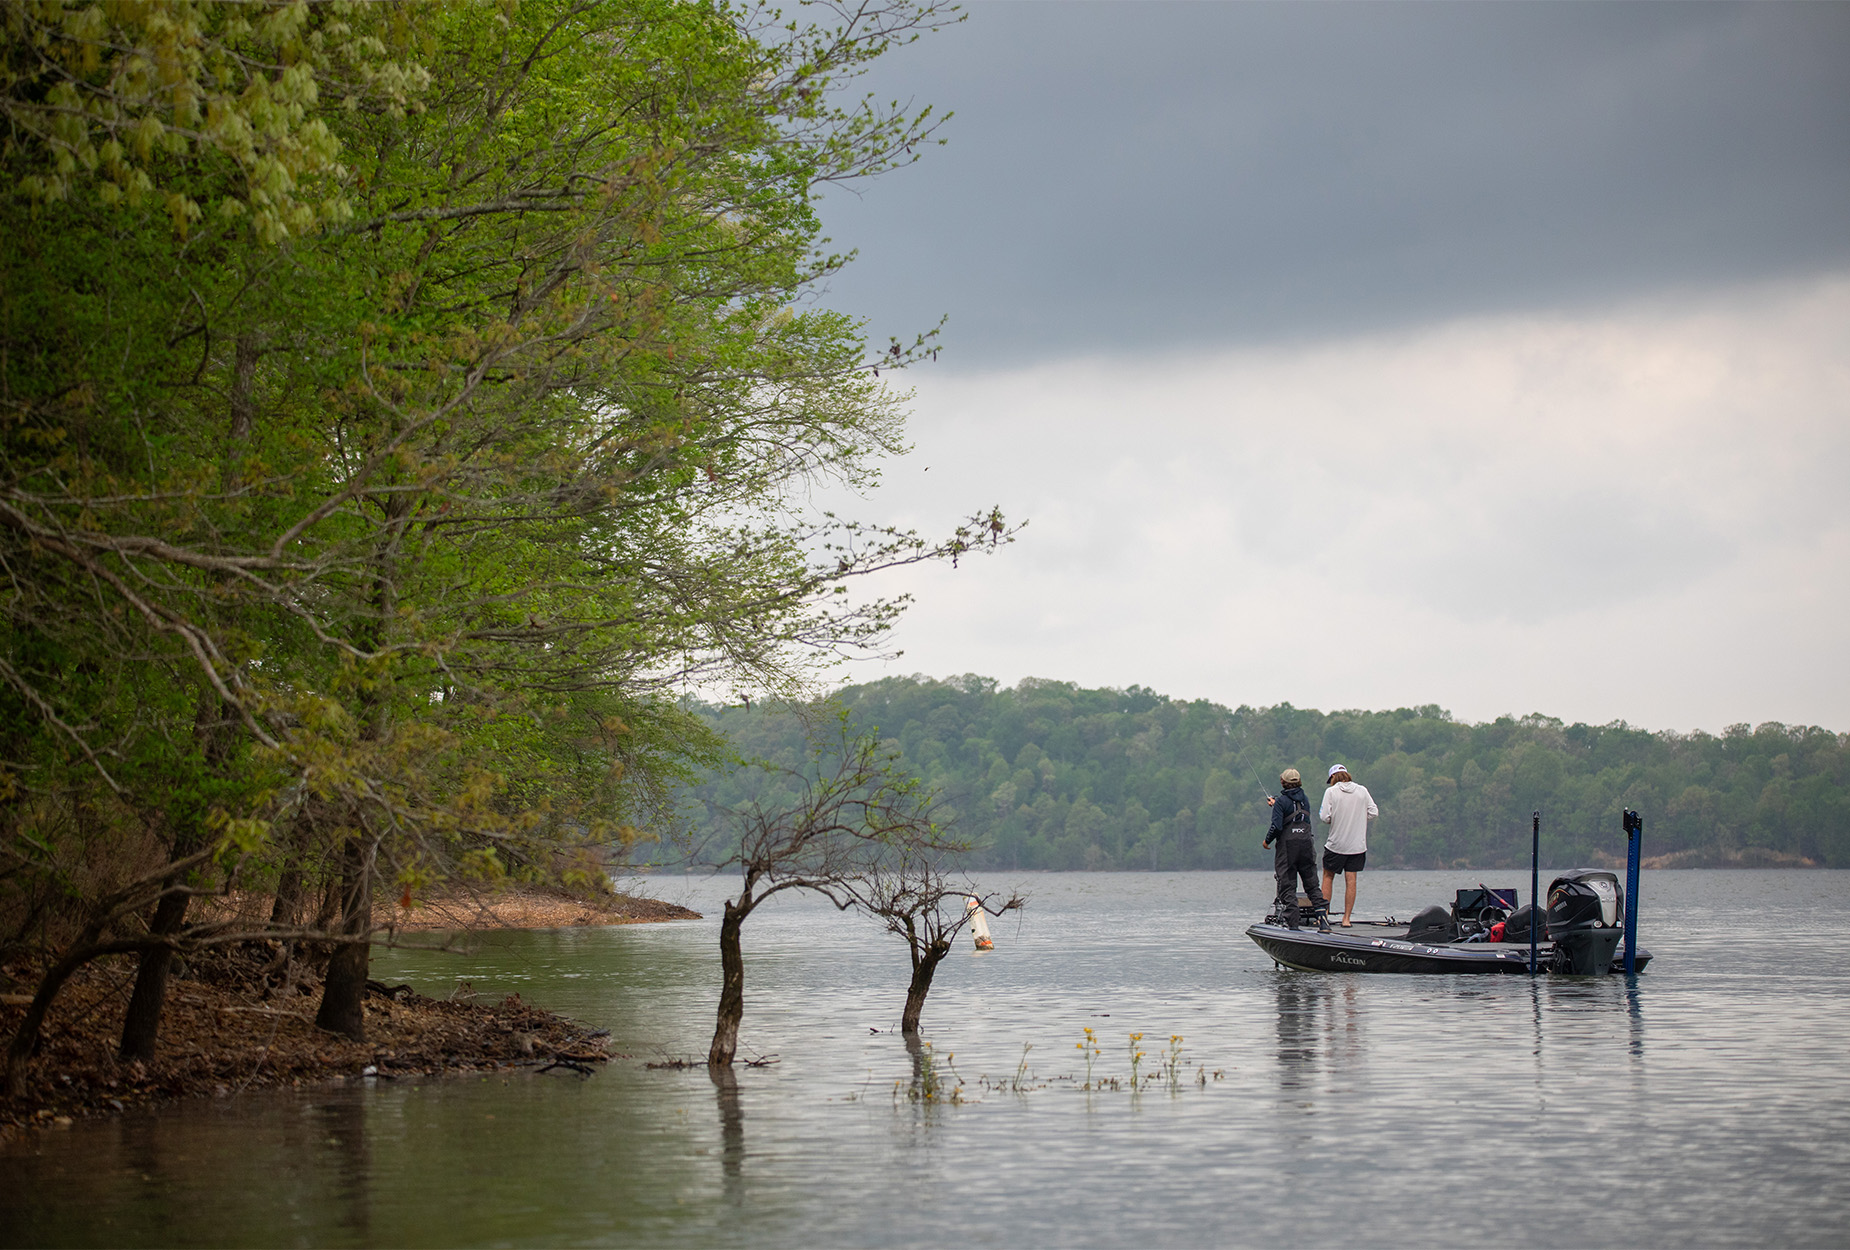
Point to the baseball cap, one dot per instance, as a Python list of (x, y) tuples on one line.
[(1290, 777), (1337, 768)]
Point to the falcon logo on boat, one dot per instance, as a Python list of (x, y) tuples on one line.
[(1349, 959)]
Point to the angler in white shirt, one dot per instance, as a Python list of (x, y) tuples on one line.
[(1347, 809)]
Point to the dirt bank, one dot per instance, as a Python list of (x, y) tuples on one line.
[(217, 1041), (1711, 857), (526, 907), (227, 1027)]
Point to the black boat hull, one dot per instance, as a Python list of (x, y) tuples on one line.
[(1311, 951)]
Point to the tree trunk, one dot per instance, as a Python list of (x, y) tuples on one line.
[(286, 907), (732, 987), (343, 995), (286, 910), (26, 1041), (285, 913), (923, 969), (243, 392), (329, 910), (142, 1025)]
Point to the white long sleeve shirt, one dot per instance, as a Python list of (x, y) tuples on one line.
[(1347, 809)]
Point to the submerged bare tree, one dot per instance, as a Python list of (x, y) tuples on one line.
[(824, 830), (908, 890)]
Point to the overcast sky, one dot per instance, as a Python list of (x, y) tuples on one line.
[(1496, 356)]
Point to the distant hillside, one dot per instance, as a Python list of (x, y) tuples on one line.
[(1048, 775)]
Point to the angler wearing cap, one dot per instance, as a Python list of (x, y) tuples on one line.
[(1296, 856), (1347, 809)]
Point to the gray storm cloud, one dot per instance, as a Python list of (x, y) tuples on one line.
[(1122, 177)]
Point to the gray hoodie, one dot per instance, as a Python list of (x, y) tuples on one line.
[(1347, 809)]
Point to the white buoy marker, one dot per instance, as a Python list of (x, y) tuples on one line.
[(979, 925)]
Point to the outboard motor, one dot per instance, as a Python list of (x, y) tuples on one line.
[(1585, 909)]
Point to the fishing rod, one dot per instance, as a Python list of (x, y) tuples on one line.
[(1250, 770), (1254, 774)]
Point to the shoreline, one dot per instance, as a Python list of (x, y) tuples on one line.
[(525, 907), (224, 1031)]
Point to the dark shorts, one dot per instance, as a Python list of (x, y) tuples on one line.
[(1337, 863)]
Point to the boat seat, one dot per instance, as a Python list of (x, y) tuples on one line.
[(1433, 925)]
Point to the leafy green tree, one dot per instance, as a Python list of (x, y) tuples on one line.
[(412, 436)]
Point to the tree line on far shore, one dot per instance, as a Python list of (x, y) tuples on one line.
[(1048, 775)]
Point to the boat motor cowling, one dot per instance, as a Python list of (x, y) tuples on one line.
[(1586, 898), (1585, 909)]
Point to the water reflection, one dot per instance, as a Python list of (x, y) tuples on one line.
[(141, 1146), (1320, 1028), (934, 1081), (915, 1047), (1346, 1024), (343, 1125), (731, 1130)]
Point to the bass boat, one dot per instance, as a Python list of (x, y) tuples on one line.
[(1483, 931)]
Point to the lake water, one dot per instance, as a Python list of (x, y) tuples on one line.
[(1705, 1102)]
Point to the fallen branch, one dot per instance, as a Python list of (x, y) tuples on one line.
[(570, 1064)]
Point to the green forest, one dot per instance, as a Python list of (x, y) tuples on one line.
[(1048, 775)]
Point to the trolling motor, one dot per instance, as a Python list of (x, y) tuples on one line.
[(1308, 912), (1634, 847)]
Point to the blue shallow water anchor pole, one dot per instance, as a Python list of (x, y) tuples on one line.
[(1535, 885), (1634, 845)]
